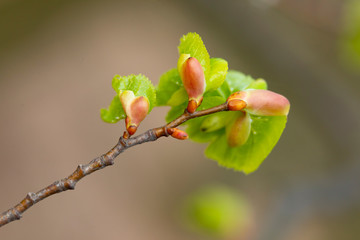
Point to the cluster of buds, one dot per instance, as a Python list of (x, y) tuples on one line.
[(256, 102), (193, 78), (136, 109)]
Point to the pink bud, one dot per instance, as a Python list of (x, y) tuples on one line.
[(263, 102), (193, 78), (239, 131), (136, 109)]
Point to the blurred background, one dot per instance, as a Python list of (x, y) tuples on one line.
[(57, 60)]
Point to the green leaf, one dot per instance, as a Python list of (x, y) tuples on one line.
[(139, 84), (192, 44), (218, 70), (176, 112), (258, 84), (265, 133), (114, 113), (179, 97), (194, 126), (169, 83), (198, 133), (237, 80), (211, 101), (223, 91)]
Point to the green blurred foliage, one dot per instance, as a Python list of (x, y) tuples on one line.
[(350, 38), (216, 211)]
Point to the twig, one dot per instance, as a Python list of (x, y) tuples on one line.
[(15, 213)]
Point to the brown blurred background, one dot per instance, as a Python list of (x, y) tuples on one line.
[(57, 60)]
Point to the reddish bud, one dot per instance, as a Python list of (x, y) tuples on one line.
[(193, 78), (239, 131), (136, 109), (263, 102), (130, 128), (193, 105), (177, 133), (235, 104)]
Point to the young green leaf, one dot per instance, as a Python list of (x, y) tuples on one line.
[(169, 83), (238, 81), (179, 97), (265, 133), (258, 84), (194, 129), (192, 44), (114, 113), (138, 84), (175, 112), (200, 131), (218, 71), (198, 135)]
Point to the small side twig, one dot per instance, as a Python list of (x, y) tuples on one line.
[(68, 183)]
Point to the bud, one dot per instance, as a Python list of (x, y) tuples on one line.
[(239, 131), (193, 78), (177, 133), (136, 109), (235, 104), (262, 102)]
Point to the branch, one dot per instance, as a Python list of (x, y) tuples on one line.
[(68, 183)]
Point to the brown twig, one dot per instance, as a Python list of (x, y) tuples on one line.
[(104, 160)]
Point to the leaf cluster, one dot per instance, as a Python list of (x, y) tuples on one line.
[(220, 83)]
